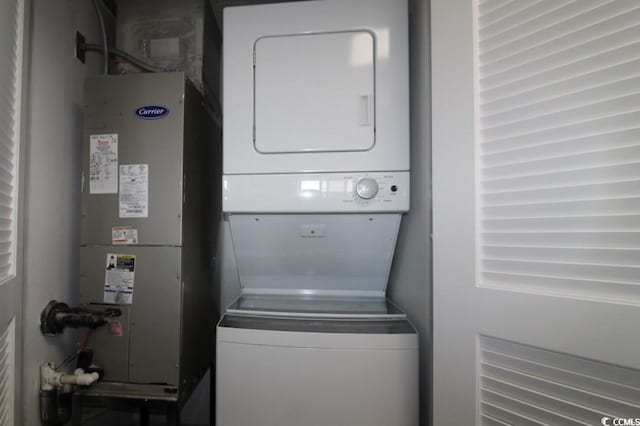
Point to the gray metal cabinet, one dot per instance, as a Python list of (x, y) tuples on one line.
[(168, 319)]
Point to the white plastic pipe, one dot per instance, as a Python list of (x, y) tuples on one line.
[(84, 379)]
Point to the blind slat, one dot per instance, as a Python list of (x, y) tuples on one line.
[(616, 27), (614, 240), (577, 405), (566, 87), (486, 419), (566, 58), (551, 26), (495, 376), (554, 179), (564, 254), (559, 286), (611, 206), (493, 17), (6, 158), (507, 416), (561, 119), (591, 160), (567, 72), (490, 5), (576, 271), (520, 13), (597, 191), (528, 410), (627, 121), (580, 145), (559, 104), (553, 16), (570, 224)]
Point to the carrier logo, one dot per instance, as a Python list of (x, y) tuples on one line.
[(152, 112)]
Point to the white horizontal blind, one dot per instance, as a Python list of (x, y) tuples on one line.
[(525, 385), (558, 139), (10, 38), (7, 371)]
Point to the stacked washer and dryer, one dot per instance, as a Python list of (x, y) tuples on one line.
[(316, 179)]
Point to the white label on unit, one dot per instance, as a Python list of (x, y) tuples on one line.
[(103, 164), (119, 278), (134, 190), (124, 235)]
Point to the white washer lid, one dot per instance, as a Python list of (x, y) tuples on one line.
[(339, 255)]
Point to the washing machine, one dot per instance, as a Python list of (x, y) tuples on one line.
[(316, 180)]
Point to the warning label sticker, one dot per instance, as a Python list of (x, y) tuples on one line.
[(119, 278), (124, 235), (134, 190), (103, 164)]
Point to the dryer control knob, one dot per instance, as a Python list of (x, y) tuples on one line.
[(367, 188)]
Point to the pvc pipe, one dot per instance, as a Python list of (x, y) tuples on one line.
[(86, 379)]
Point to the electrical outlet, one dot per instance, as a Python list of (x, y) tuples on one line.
[(80, 51)]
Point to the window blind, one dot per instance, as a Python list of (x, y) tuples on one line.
[(10, 30), (558, 147)]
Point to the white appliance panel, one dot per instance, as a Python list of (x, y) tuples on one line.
[(389, 110), (314, 92), (327, 255), (314, 193), (271, 381)]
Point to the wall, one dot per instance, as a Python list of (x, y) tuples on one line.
[(410, 280), (53, 162)]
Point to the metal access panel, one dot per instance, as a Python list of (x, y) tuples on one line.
[(114, 347), (123, 110), (153, 354)]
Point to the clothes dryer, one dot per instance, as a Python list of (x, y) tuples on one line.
[(316, 179)]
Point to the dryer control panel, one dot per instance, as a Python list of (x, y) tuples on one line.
[(321, 193)]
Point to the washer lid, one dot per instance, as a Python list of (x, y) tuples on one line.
[(340, 255), (315, 307)]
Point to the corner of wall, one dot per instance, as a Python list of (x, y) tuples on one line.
[(410, 280), (53, 178)]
